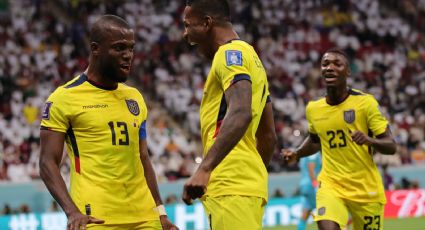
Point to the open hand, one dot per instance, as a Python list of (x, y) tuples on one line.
[(166, 223)]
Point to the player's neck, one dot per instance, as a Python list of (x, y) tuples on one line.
[(223, 35), (97, 79), (336, 95)]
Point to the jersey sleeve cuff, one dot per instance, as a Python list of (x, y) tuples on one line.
[(240, 77), (142, 131), (42, 127)]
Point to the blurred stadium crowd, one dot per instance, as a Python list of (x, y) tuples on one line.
[(44, 44)]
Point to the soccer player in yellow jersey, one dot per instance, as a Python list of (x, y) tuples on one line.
[(237, 125), (103, 123), (347, 126)]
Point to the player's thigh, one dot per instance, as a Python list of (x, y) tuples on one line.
[(234, 212), (146, 225), (330, 208), (368, 216)]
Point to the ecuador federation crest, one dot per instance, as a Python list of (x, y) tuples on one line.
[(349, 116), (133, 107)]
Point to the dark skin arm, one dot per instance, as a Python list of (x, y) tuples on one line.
[(266, 135), (307, 148), (234, 126), (50, 159), (152, 184), (383, 143)]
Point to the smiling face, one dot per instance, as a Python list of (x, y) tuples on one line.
[(115, 53), (335, 70), (197, 30)]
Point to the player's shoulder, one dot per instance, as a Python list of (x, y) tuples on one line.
[(236, 44), (316, 102), (128, 89), (357, 92), (233, 51), (74, 83), (360, 95), (66, 89)]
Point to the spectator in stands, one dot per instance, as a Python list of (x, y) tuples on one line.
[(6, 210), (24, 209), (278, 193), (405, 183), (171, 199), (387, 178)]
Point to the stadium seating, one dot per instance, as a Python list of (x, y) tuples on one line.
[(41, 50)]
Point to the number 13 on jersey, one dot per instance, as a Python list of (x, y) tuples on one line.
[(121, 127)]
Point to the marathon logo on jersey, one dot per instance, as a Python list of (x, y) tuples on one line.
[(233, 57), (133, 107), (46, 110), (349, 116)]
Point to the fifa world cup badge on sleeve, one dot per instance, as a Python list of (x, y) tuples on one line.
[(46, 110), (133, 107), (233, 57)]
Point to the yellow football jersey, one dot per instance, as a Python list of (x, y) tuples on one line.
[(242, 171), (347, 166), (103, 128)]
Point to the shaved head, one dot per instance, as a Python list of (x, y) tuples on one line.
[(217, 9), (103, 25)]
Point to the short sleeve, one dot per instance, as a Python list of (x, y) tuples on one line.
[(54, 115), (377, 123), (142, 131), (143, 116), (231, 67), (267, 93), (308, 116)]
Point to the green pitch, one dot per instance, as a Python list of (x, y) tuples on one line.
[(389, 224)]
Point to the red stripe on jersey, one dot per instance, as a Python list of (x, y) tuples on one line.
[(77, 164), (217, 128)]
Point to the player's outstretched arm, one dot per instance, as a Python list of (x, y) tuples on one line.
[(50, 159), (234, 126), (310, 146), (383, 143), (266, 135), (153, 185)]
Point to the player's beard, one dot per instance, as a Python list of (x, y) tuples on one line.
[(112, 72)]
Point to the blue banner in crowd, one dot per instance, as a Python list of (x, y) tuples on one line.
[(277, 212)]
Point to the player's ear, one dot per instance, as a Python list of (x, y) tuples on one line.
[(208, 21), (94, 48), (348, 71)]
